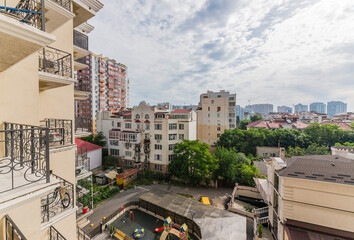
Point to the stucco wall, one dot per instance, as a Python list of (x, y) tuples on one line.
[(95, 158)]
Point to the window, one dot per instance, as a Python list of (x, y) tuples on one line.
[(158, 157), (171, 147), (218, 135), (208, 114), (181, 126), (218, 128), (128, 145), (128, 125), (158, 167), (128, 154), (158, 126), (158, 137), (265, 154), (171, 157), (112, 122), (208, 108), (114, 152), (232, 104), (118, 124), (181, 136), (212, 101), (272, 154), (147, 126), (128, 163), (137, 116), (219, 96), (218, 109), (114, 142), (218, 115), (147, 157), (172, 126), (172, 136), (147, 136), (231, 98), (147, 116), (137, 126), (158, 147)]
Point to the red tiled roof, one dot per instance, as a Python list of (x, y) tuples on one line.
[(89, 146), (342, 125), (182, 111), (276, 124), (127, 114), (127, 173)]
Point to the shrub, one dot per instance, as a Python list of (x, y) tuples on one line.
[(260, 230)]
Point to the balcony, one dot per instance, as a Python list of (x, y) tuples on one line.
[(60, 132), (85, 10), (54, 234), (22, 30), (80, 40), (82, 90), (55, 68), (57, 13), (83, 126), (58, 202), (12, 231), (82, 164)]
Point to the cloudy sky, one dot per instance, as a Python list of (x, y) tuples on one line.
[(267, 51)]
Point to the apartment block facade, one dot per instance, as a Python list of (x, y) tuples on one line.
[(109, 87), (145, 137), (318, 107), (301, 108), (284, 109), (336, 107), (37, 151), (310, 197), (262, 108), (216, 112)]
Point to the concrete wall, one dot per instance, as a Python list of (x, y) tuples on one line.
[(95, 158)]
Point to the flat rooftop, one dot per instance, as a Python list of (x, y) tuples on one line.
[(214, 223)]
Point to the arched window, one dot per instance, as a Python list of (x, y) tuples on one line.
[(137, 116), (147, 116)]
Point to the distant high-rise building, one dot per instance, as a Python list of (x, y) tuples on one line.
[(318, 107), (301, 108), (240, 112), (284, 109), (216, 112), (190, 106), (336, 107), (262, 108)]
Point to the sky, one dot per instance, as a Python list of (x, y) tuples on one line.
[(265, 51)]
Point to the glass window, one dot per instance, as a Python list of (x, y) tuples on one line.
[(172, 126), (128, 125), (181, 126), (158, 147), (158, 126), (172, 136), (137, 116), (158, 157), (181, 137), (147, 116), (158, 137)]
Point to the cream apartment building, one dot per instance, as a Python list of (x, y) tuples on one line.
[(310, 197), (145, 136), (37, 152), (216, 112)]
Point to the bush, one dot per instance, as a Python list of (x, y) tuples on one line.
[(248, 208), (260, 230)]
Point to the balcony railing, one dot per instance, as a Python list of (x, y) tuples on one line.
[(26, 156), (60, 131), (30, 12), (81, 60), (64, 3), (54, 234), (83, 124), (55, 61), (58, 201), (82, 161), (80, 40), (12, 231)]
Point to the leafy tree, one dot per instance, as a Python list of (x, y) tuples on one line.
[(98, 139), (243, 123), (315, 149), (256, 117), (193, 162), (110, 161), (237, 120), (297, 151), (346, 144)]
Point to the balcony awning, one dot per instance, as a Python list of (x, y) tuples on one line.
[(263, 187)]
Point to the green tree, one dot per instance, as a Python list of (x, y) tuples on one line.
[(243, 123), (346, 144), (110, 161), (193, 162), (315, 149), (98, 139), (256, 117)]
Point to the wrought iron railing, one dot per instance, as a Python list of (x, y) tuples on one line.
[(64, 3), (60, 131), (83, 124), (26, 155), (81, 60), (58, 201), (30, 12), (55, 61), (12, 231), (80, 40), (82, 161), (54, 234)]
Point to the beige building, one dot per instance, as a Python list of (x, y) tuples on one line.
[(267, 152), (310, 197), (216, 112), (37, 152), (145, 136)]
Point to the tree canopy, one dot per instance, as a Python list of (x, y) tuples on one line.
[(98, 139)]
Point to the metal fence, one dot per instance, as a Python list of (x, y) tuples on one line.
[(55, 61), (83, 124), (12, 231), (60, 131), (30, 12), (80, 40), (54, 234), (58, 201), (26, 155), (64, 3)]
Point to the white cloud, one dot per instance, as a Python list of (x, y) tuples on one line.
[(281, 52)]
